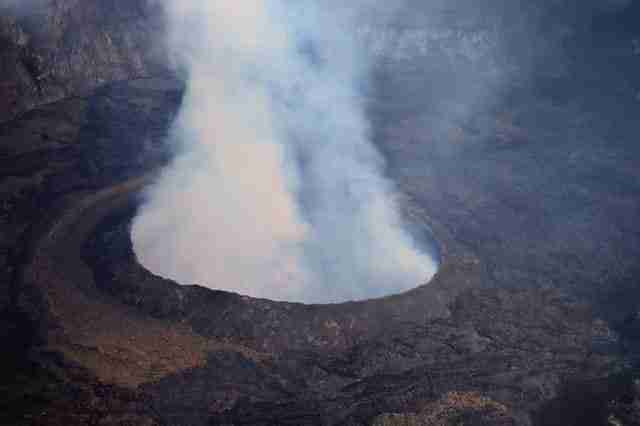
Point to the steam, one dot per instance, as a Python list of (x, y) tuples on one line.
[(276, 190)]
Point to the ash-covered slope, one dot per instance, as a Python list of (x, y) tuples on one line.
[(56, 155), (52, 49)]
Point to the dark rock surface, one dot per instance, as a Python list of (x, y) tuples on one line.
[(52, 49), (52, 155), (348, 363), (454, 408), (533, 198)]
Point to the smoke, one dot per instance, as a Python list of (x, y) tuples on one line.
[(22, 7), (276, 190)]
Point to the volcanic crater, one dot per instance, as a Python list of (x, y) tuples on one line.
[(532, 317)]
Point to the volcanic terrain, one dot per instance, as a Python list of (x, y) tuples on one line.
[(531, 201)]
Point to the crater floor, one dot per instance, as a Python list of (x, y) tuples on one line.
[(114, 342)]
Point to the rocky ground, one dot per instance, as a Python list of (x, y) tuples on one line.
[(53, 49), (532, 199), (66, 152)]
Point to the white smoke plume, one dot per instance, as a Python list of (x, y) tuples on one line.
[(276, 190)]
